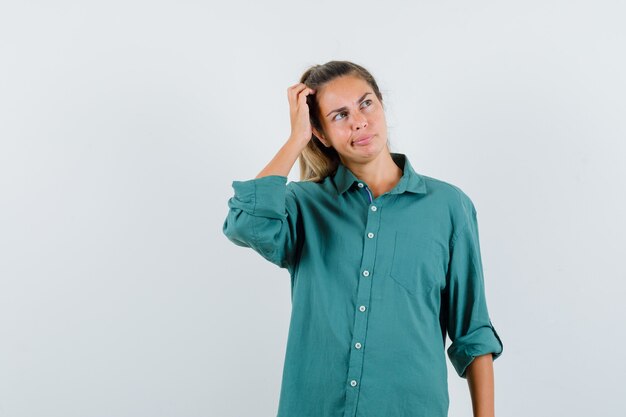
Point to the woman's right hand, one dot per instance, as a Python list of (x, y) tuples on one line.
[(299, 112)]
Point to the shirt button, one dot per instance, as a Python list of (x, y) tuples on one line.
[(353, 383), (374, 208), (357, 345), (370, 235), (362, 308), (360, 185), (366, 273)]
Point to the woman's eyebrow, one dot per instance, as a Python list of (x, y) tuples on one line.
[(345, 108)]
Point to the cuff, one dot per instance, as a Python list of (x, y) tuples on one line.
[(263, 196), (481, 341)]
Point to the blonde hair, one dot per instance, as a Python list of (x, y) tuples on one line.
[(316, 160)]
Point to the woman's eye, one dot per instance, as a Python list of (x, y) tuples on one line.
[(368, 102)]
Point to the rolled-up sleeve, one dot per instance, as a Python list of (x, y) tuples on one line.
[(467, 319), (263, 215)]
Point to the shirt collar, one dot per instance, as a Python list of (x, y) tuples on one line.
[(410, 181)]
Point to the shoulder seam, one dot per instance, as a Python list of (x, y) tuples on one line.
[(467, 206)]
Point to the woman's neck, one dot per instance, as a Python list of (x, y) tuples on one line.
[(380, 174)]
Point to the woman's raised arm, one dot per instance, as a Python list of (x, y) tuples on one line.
[(263, 213), (301, 133)]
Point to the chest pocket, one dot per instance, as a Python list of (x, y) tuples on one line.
[(416, 263)]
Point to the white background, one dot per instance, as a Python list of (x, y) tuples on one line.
[(123, 124)]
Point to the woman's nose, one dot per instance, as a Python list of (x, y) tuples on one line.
[(360, 122)]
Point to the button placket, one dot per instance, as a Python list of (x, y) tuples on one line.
[(368, 193), (363, 297)]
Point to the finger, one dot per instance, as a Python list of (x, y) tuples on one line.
[(292, 92), (304, 93), (297, 90)]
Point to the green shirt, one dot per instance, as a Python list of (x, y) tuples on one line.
[(376, 284)]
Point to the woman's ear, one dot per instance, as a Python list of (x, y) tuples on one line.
[(320, 137)]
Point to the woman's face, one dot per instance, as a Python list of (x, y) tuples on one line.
[(349, 111)]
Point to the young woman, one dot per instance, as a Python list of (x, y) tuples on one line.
[(384, 262)]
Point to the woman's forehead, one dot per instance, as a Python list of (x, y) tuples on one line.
[(342, 91)]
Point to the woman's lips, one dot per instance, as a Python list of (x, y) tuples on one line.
[(363, 141)]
